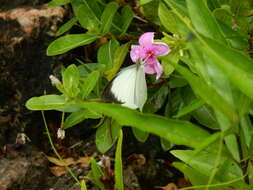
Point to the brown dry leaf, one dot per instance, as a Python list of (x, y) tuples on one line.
[(65, 162), (84, 161), (170, 186), (58, 170)]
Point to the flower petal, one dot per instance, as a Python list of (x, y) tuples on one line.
[(158, 69), (154, 67), (136, 53), (160, 49), (146, 40), (149, 68)]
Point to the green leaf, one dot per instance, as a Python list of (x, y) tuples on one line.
[(204, 162), (68, 42), (107, 16), (83, 185), (157, 99), (195, 177), (141, 136), (204, 114), (46, 102), (67, 26), (189, 108), (235, 65), (166, 145), (207, 93), (54, 3), (86, 68), (96, 174), (171, 21), (78, 116), (107, 53), (118, 164), (149, 10), (203, 20), (143, 2), (127, 16), (70, 80), (119, 57), (178, 132), (230, 140), (88, 13), (107, 134), (89, 83)]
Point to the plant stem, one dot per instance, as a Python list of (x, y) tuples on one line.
[(56, 152)]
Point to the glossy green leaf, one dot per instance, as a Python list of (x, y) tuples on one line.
[(83, 185), (86, 68), (171, 21), (119, 184), (230, 140), (203, 20), (88, 13), (204, 114), (78, 116), (189, 108), (96, 174), (107, 16), (107, 134), (204, 162), (127, 16), (54, 3), (141, 136), (207, 93), (149, 10), (68, 42), (89, 83), (70, 80), (119, 57), (166, 145), (235, 65), (143, 2), (178, 132), (46, 102), (196, 178), (107, 54), (67, 26), (156, 99)]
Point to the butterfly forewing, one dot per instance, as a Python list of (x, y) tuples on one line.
[(124, 85)]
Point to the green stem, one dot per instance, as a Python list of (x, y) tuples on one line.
[(55, 151)]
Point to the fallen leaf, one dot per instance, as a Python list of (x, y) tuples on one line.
[(170, 186), (83, 161), (63, 162), (58, 170)]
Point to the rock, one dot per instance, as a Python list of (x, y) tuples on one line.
[(23, 172)]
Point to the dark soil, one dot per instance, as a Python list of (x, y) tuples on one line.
[(24, 72)]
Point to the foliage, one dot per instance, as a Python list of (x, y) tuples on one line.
[(204, 98)]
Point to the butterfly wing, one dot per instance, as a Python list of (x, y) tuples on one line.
[(124, 86), (140, 87)]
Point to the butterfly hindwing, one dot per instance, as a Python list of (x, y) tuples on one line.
[(140, 87)]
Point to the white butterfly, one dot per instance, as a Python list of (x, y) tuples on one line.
[(129, 87)]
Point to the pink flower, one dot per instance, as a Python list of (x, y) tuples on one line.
[(147, 52)]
